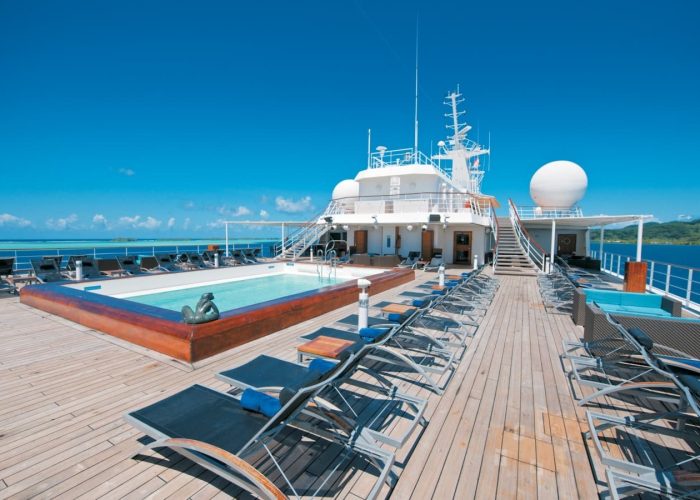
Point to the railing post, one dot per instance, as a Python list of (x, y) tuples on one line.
[(668, 279), (651, 275), (689, 289), (619, 259)]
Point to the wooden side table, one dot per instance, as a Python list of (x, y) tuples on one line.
[(398, 309), (323, 347)]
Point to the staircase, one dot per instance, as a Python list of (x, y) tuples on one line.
[(510, 257), (298, 242)]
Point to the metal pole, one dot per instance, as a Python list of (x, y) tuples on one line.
[(552, 243), (602, 239), (283, 249), (640, 233), (226, 229), (689, 290), (668, 278)]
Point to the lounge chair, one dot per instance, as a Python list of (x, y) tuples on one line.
[(249, 256), (110, 267), (411, 261), (641, 472), (189, 261), (238, 258), (167, 262), (388, 404), (219, 431), (129, 264), (150, 264), (90, 269), (46, 270), (434, 263), (7, 265), (209, 257), (630, 364), (391, 343)]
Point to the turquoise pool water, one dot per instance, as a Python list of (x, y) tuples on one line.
[(236, 294)]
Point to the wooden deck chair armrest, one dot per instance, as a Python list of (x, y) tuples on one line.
[(227, 458)]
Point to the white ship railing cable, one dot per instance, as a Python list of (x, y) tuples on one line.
[(679, 282), (23, 256), (534, 251), (434, 202), (534, 213)]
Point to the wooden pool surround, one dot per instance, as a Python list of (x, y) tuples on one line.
[(163, 330)]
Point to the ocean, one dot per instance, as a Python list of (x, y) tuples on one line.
[(682, 255)]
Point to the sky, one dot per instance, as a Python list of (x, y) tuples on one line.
[(162, 118)]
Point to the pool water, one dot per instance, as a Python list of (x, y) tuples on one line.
[(240, 293)]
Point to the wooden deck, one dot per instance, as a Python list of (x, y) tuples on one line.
[(506, 426)]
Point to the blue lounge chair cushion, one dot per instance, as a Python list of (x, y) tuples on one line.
[(420, 302), (439, 292), (371, 334), (395, 317), (453, 282), (686, 364), (321, 366), (260, 402)]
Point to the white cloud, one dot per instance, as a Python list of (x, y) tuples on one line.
[(62, 223), (189, 205), (215, 224), (127, 171), (99, 221), (264, 214), (12, 220), (290, 206), (230, 212), (186, 223), (685, 217), (137, 222), (171, 222)]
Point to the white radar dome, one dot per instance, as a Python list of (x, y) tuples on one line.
[(558, 184), (348, 188)]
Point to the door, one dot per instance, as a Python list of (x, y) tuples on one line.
[(427, 244), (361, 241), (397, 239), (463, 247), (566, 244)]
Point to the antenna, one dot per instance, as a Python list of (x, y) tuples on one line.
[(369, 147), (489, 158), (415, 115)]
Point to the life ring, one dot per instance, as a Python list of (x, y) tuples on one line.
[(467, 204)]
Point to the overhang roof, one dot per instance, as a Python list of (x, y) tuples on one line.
[(583, 222)]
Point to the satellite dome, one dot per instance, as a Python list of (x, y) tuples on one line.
[(558, 184), (348, 188)]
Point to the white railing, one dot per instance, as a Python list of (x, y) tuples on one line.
[(532, 249), (300, 240), (23, 256), (429, 202), (679, 282), (533, 213), (495, 230), (405, 156)]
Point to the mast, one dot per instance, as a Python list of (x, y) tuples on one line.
[(415, 114)]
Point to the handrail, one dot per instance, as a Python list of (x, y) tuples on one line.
[(496, 232), (534, 250)]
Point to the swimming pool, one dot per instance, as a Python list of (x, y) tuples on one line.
[(239, 293), (264, 298)]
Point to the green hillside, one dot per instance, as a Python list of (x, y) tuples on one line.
[(676, 233)]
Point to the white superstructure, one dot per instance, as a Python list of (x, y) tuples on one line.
[(405, 201)]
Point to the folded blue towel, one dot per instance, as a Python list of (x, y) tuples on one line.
[(321, 366), (260, 402), (395, 317), (420, 302), (371, 334)]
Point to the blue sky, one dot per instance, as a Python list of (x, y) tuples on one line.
[(161, 118)]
